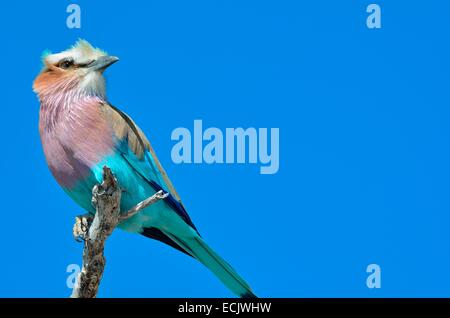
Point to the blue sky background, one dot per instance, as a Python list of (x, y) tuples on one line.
[(364, 151)]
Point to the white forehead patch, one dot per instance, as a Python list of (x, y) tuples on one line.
[(81, 52)]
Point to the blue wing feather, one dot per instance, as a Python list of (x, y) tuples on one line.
[(176, 206)]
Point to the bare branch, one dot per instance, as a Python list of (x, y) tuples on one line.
[(160, 195), (106, 199)]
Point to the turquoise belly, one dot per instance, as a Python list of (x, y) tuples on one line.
[(134, 190)]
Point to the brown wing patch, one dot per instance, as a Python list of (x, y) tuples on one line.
[(124, 130)]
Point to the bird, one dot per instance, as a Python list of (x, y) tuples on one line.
[(81, 132)]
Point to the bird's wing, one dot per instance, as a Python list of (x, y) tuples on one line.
[(126, 129), (144, 160)]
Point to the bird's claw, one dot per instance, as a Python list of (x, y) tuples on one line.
[(81, 227)]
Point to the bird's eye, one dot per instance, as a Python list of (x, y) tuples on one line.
[(65, 64)]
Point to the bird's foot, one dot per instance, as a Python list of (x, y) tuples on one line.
[(81, 227)]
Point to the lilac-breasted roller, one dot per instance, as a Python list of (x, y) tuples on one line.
[(81, 132)]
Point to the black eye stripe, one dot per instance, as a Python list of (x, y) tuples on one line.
[(69, 62), (85, 64)]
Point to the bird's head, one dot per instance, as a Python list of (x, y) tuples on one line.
[(78, 70)]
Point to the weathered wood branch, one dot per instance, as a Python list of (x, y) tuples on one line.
[(142, 205), (94, 231)]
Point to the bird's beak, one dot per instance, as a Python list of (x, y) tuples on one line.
[(102, 63)]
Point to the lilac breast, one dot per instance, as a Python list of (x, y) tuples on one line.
[(75, 137)]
